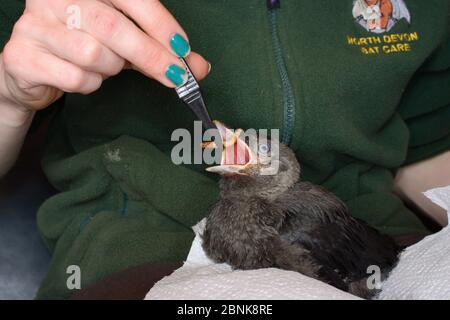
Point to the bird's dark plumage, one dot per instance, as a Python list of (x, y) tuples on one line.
[(263, 221)]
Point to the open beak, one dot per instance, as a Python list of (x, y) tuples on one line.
[(236, 154)]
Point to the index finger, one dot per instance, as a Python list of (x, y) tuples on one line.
[(121, 35), (158, 22)]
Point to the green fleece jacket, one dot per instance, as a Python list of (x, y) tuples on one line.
[(355, 95)]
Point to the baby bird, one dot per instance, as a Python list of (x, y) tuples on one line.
[(266, 217)]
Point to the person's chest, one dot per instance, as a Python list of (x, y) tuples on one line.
[(331, 57), (312, 69)]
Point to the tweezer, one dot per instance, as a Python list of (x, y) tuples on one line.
[(191, 95)]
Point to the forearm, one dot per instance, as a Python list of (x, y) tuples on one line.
[(14, 124), (413, 180)]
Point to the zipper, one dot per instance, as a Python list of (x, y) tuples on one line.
[(288, 93)]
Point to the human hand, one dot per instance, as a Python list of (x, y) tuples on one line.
[(45, 58)]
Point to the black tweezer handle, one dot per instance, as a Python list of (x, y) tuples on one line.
[(198, 107)]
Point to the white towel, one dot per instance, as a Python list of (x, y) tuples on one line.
[(423, 271)]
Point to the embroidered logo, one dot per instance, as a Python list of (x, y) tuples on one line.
[(379, 16)]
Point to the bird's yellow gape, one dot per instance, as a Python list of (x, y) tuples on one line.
[(236, 154)]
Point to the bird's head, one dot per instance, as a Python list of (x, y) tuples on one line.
[(253, 165)]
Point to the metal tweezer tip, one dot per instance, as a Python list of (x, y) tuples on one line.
[(191, 95)]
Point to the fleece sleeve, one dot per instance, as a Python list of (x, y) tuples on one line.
[(425, 106), (122, 204)]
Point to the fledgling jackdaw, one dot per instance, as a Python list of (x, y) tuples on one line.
[(272, 219)]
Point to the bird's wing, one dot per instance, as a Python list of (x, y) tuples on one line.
[(319, 221), (358, 7), (400, 11)]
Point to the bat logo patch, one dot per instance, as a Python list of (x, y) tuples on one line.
[(379, 16)]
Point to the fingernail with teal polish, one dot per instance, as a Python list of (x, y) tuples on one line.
[(176, 74), (180, 45)]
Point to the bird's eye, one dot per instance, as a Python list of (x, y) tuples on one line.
[(263, 149)]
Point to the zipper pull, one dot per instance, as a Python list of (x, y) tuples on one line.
[(273, 4)]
